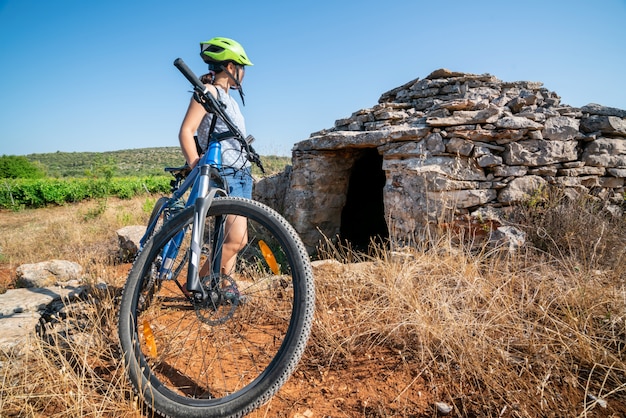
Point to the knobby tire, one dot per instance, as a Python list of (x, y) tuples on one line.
[(230, 355), (157, 210)]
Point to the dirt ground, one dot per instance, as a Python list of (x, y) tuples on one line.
[(367, 382), (371, 386), (6, 278), (374, 384)]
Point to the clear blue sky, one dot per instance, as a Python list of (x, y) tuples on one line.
[(81, 75)]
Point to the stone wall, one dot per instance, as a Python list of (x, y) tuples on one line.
[(453, 143)]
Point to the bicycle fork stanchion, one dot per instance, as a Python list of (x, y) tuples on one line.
[(202, 205), (217, 243)]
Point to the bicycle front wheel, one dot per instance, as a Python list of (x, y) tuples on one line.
[(226, 355)]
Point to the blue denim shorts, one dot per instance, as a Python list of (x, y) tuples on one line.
[(239, 181)]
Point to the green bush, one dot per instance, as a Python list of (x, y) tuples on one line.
[(36, 193), (19, 167)]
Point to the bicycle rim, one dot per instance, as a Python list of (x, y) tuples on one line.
[(230, 354)]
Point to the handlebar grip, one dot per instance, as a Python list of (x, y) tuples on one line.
[(189, 75)]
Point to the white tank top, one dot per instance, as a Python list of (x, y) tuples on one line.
[(232, 154)]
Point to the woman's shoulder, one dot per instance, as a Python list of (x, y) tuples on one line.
[(213, 90)]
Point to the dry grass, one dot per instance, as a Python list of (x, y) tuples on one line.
[(537, 333), (489, 336), (84, 233), (73, 370)]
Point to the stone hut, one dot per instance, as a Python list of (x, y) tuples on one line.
[(443, 147)]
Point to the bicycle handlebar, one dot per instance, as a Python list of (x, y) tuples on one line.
[(189, 75), (211, 105)]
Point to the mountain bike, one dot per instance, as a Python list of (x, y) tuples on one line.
[(198, 341)]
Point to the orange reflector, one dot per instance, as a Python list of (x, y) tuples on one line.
[(149, 336), (269, 257)]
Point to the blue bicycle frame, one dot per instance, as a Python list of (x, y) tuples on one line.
[(201, 195)]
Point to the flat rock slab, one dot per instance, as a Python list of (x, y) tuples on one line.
[(17, 330), (20, 311), (34, 299)]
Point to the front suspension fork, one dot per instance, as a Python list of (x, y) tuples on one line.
[(202, 205)]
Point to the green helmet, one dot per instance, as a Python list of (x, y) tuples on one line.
[(219, 50)]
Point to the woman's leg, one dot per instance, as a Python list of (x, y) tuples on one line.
[(236, 227), (235, 238)]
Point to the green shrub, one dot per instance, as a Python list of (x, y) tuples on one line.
[(19, 167), (36, 193)]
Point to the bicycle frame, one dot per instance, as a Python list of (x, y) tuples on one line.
[(176, 195), (201, 196)]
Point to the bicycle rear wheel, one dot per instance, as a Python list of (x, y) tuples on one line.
[(228, 355), (157, 213)]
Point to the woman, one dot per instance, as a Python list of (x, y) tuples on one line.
[(227, 60)]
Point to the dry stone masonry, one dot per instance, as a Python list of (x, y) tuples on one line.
[(450, 144)]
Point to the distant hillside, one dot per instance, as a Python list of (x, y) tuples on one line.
[(132, 162)]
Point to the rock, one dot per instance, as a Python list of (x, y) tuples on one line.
[(521, 189), (615, 210), (538, 152), (466, 117), (617, 172), (517, 122), (443, 408), (487, 159), (581, 171), (47, 273), (510, 171), (306, 414), (609, 125), (20, 312), (433, 144), (444, 73), (509, 237), (599, 401), (459, 146), (561, 128), (17, 330), (463, 198), (271, 190), (606, 152), (15, 301), (449, 167), (596, 109), (129, 239)]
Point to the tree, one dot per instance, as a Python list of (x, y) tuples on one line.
[(15, 166)]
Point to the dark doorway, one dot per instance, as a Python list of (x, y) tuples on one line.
[(363, 216)]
